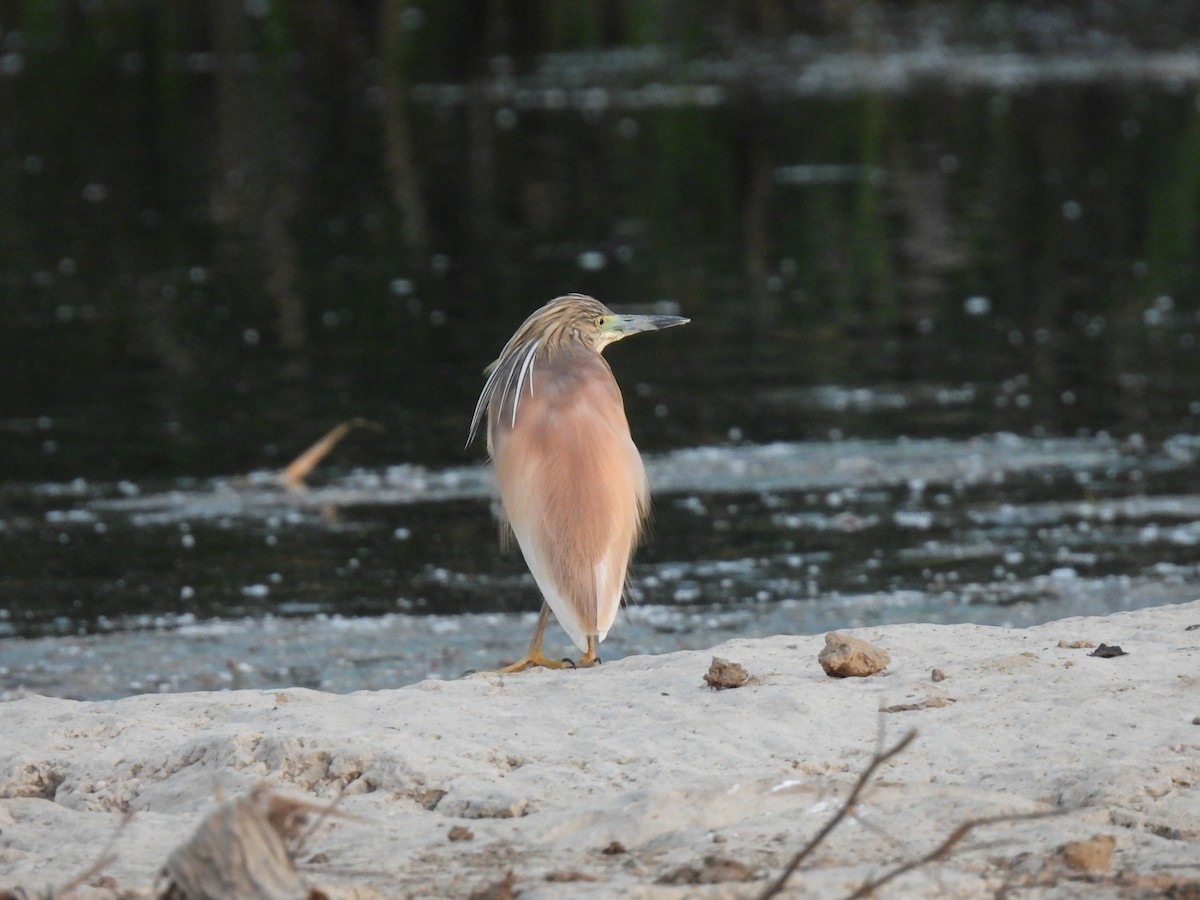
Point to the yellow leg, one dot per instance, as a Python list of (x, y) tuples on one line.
[(589, 659), (533, 656)]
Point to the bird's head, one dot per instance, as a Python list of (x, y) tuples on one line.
[(568, 322), (577, 317)]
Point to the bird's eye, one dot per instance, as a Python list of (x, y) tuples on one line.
[(599, 321)]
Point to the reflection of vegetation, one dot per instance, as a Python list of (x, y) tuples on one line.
[(324, 187), (403, 167), (1174, 226), (872, 275), (259, 159), (692, 174)]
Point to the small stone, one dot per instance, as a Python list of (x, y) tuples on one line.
[(849, 657), (927, 703), (724, 674), (711, 870), (488, 806), (500, 890), (1092, 855), (460, 833), (937, 675), (430, 798), (569, 875), (616, 848), (1107, 651), (1075, 645)]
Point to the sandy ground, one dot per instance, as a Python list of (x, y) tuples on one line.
[(541, 773)]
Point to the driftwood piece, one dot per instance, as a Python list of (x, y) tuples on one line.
[(298, 469), (243, 850)]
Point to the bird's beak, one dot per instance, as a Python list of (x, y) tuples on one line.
[(623, 326)]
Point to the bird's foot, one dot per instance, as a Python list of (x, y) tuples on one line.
[(588, 660), (538, 660)]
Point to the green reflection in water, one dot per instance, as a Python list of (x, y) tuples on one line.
[(226, 230)]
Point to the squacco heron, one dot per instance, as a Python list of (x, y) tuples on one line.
[(572, 484)]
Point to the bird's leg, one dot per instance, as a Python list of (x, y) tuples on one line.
[(534, 656), (590, 658)]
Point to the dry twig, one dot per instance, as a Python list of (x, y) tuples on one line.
[(943, 849), (860, 785)]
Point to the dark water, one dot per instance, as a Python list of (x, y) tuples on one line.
[(942, 275)]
